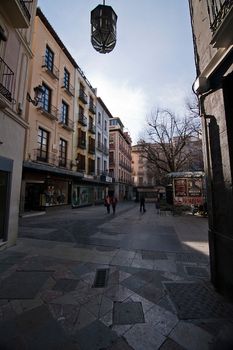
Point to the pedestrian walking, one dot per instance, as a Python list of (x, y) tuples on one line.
[(157, 205), (107, 203), (142, 204), (113, 202)]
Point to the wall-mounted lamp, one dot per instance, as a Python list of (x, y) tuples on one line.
[(38, 95), (103, 28)]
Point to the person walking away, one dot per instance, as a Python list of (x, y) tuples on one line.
[(113, 201), (107, 203), (157, 205), (142, 204)]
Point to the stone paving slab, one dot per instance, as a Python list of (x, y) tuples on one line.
[(196, 301), (148, 257), (144, 336), (101, 336), (35, 329), (191, 337), (23, 285)]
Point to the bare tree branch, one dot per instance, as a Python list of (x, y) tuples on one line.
[(167, 148)]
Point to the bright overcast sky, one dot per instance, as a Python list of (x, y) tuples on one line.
[(152, 64)]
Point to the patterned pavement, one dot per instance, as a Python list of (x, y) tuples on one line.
[(130, 281)]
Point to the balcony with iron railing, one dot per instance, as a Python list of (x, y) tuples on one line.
[(92, 108), (50, 68), (91, 149), (69, 89), (50, 158), (82, 143), (92, 128), (82, 119), (221, 22), (19, 12), (82, 96), (50, 112), (6, 84), (66, 123)]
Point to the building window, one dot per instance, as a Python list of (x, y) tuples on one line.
[(42, 145), (98, 165), (49, 58), (62, 153), (99, 118), (111, 157), (105, 125), (81, 162), (46, 99), (64, 113), (81, 138), (66, 79), (91, 166), (99, 140), (105, 166)]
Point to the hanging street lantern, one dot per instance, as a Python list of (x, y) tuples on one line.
[(103, 28)]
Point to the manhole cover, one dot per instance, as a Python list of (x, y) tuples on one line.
[(128, 313), (194, 300)]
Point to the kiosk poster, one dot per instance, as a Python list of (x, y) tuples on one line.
[(194, 187), (180, 186)]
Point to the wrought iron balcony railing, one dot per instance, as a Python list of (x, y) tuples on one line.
[(82, 119), (51, 69), (26, 6), (50, 158), (82, 143), (18, 11), (91, 150), (51, 111), (66, 123), (69, 89), (6, 80), (83, 96), (92, 128), (92, 108), (218, 10)]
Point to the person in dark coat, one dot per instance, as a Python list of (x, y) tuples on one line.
[(157, 205), (113, 202), (107, 203), (142, 204)]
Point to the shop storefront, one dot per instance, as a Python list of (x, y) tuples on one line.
[(44, 187)]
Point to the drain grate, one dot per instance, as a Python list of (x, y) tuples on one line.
[(101, 278)]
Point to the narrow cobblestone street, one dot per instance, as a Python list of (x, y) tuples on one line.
[(87, 280)]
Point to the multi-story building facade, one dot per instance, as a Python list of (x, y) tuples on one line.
[(16, 19), (60, 153), (143, 176), (84, 140), (120, 159), (212, 25), (47, 169), (102, 141)]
